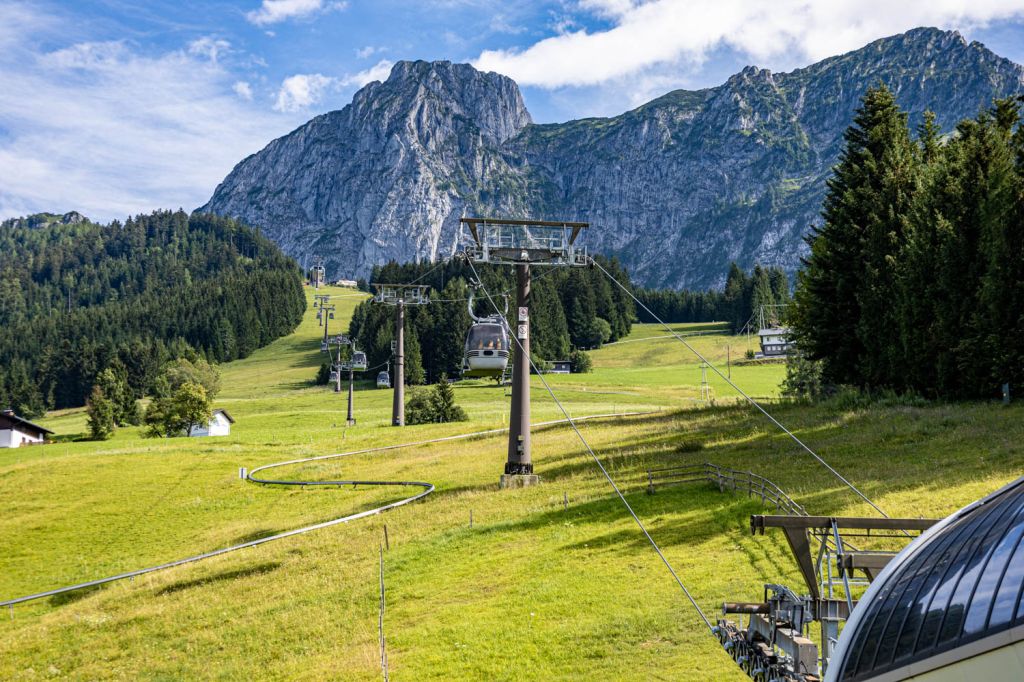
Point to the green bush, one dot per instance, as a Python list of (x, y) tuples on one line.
[(323, 375), (580, 362), (435, 406), (803, 378)]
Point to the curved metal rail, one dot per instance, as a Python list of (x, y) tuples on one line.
[(427, 489)]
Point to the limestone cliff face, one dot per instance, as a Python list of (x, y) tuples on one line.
[(384, 177), (676, 188)]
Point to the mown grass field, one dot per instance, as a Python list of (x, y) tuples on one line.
[(533, 590)]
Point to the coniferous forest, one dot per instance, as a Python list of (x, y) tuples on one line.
[(76, 299), (915, 278), (571, 308), (739, 303)]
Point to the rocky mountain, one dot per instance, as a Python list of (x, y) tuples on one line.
[(677, 188), (45, 220)]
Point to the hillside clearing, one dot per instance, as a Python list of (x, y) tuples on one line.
[(534, 590)]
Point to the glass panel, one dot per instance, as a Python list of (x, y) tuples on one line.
[(994, 516), (933, 567), (871, 641), (487, 337), (927, 567), (1009, 589), (977, 614), (938, 606)]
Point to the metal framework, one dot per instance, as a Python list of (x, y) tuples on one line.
[(400, 295), (511, 242), (522, 243), (317, 272), (407, 294), (829, 553)]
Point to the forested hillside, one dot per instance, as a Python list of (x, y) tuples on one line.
[(742, 300), (916, 277), (77, 297), (570, 308)]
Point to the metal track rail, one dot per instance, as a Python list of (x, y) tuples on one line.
[(427, 488)]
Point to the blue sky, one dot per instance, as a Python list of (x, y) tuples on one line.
[(113, 107)]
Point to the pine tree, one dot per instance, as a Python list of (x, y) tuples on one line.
[(445, 408), (736, 300), (890, 167), (845, 290), (101, 415), (414, 373), (762, 299)]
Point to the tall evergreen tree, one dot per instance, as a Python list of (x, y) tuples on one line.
[(846, 287), (762, 298)]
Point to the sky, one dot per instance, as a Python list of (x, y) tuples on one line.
[(115, 107)]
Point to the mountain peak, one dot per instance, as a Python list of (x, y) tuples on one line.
[(491, 101), (677, 188)]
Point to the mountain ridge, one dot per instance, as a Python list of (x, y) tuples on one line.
[(676, 188)]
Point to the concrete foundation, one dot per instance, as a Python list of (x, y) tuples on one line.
[(518, 480)]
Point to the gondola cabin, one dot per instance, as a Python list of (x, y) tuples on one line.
[(334, 376), (486, 351), (359, 361), (383, 380)]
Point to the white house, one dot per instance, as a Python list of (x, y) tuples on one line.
[(219, 425), (775, 342), (15, 431)]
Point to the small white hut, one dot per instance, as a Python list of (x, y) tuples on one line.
[(16, 431), (219, 425)]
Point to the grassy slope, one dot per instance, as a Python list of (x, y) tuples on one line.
[(531, 591)]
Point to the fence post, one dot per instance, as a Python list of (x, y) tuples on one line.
[(650, 483)]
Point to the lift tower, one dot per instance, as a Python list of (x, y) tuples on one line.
[(400, 295), (522, 243)]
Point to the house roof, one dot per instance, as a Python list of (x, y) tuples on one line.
[(774, 331), (225, 413), (21, 421)]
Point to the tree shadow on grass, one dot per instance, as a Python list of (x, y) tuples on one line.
[(256, 535), (65, 598), (258, 569)]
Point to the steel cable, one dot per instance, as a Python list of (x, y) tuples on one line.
[(749, 399), (596, 459)]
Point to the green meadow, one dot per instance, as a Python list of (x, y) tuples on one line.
[(550, 582)]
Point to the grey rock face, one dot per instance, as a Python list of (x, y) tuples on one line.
[(676, 189)]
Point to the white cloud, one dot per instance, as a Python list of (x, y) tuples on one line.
[(660, 32), (101, 128), (377, 72), (302, 90), (243, 90), (87, 56), (275, 11), (209, 47)]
